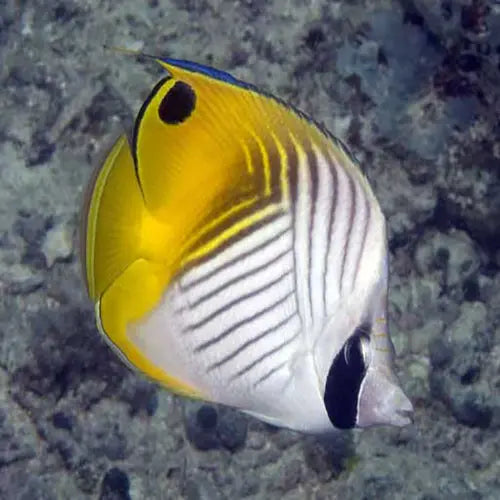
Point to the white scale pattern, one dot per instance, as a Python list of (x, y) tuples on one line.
[(242, 313)]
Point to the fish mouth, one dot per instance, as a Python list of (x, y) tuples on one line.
[(382, 401)]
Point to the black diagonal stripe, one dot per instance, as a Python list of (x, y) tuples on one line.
[(350, 223), (331, 220), (138, 127), (266, 355), (257, 159), (275, 159), (269, 374), (292, 172), (250, 342), (293, 166), (258, 153), (234, 260), (232, 239), (233, 328), (236, 301), (363, 239), (240, 277), (312, 163)]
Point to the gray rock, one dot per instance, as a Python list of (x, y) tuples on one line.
[(115, 485), (62, 421), (41, 151), (200, 421), (209, 427), (441, 354), (452, 258), (57, 245), (109, 441), (408, 62), (473, 197), (68, 350), (199, 488), (288, 475), (87, 474), (409, 207), (442, 18), (329, 456), (232, 429), (285, 439), (454, 19), (141, 396), (250, 485), (14, 446), (19, 279), (35, 488), (473, 408), (457, 357), (18, 437), (32, 227)]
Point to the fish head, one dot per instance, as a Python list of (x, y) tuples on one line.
[(380, 399), (355, 364)]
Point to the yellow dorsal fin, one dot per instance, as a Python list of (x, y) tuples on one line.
[(210, 149)]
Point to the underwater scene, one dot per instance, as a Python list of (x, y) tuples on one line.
[(250, 249)]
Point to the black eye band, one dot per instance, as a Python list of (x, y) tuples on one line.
[(344, 380)]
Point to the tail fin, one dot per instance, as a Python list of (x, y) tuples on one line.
[(112, 224), (126, 259)]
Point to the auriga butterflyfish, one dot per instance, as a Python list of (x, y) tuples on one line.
[(235, 253)]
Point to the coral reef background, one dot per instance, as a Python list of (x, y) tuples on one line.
[(412, 86)]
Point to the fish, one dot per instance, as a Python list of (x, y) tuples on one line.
[(235, 253)]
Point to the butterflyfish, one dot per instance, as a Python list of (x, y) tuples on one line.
[(235, 253)]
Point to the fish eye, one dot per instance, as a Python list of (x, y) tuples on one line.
[(357, 346), (177, 104), (344, 378)]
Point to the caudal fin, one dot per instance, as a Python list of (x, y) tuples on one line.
[(112, 220)]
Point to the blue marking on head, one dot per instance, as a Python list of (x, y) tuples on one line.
[(209, 71)]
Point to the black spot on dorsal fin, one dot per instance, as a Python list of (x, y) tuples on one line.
[(178, 104)]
